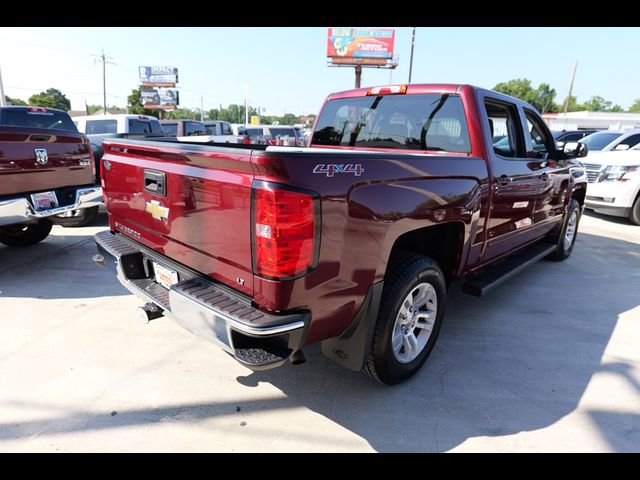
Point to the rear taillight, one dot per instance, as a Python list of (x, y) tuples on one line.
[(285, 231)]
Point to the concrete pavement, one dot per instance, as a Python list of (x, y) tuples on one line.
[(548, 362)]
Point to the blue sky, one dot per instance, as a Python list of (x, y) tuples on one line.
[(285, 69)]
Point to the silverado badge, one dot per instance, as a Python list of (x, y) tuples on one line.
[(157, 211), (41, 156)]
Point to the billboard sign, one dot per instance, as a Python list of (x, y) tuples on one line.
[(360, 43), (159, 98), (158, 76)]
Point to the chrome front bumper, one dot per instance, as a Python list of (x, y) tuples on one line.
[(19, 210), (207, 309)]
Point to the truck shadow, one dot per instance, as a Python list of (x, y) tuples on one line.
[(517, 360)]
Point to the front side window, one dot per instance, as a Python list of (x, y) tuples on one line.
[(430, 121), (504, 129), (540, 141)]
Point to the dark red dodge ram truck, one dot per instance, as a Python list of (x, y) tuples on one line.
[(351, 242), (47, 169)]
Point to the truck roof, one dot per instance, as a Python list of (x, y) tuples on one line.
[(112, 116)]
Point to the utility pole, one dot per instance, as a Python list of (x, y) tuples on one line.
[(573, 77), (413, 39), (201, 109), (104, 58), (358, 75), (3, 101), (246, 112)]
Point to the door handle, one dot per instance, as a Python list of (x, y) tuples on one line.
[(155, 182), (504, 180)]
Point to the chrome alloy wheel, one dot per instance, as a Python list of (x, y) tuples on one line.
[(414, 323), (570, 233)]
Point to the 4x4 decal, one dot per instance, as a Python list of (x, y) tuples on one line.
[(330, 169)]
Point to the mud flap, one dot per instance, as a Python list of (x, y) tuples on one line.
[(351, 349)]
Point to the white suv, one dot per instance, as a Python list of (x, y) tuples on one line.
[(614, 184)]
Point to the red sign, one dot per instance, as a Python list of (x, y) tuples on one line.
[(359, 43)]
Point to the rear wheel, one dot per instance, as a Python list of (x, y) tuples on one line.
[(76, 218), (634, 214), (25, 235), (565, 239), (408, 324)]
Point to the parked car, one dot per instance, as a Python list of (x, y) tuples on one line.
[(564, 136), (351, 242), (46, 169), (612, 140), (614, 184), (284, 135)]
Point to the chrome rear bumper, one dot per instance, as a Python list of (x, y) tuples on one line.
[(19, 210)]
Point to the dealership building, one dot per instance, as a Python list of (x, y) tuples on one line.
[(592, 120)]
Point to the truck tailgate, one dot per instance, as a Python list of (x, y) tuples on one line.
[(187, 202), (31, 162)]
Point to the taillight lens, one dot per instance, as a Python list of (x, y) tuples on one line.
[(285, 231)]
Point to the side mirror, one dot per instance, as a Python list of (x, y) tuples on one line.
[(621, 146), (560, 144), (575, 150)]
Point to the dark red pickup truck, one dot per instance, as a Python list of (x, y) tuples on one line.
[(351, 242), (46, 169)]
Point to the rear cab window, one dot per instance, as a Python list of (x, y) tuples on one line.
[(194, 128), (144, 125), (431, 121), (38, 118), (101, 126)]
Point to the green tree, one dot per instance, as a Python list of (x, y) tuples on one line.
[(599, 104), (545, 96), (573, 106), (51, 98), (134, 105), (635, 106), (212, 114), (182, 113), (542, 97), (14, 101)]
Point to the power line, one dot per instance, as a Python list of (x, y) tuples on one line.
[(103, 57)]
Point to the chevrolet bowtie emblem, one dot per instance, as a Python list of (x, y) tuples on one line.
[(157, 211)]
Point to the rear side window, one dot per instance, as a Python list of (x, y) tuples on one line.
[(50, 119), (417, 122), (101, 126), (226, 129)]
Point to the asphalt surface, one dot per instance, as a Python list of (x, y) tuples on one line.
[(549, 361)]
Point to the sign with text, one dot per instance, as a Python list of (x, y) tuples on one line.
[(356, 44), (159, 98), (158, 76)]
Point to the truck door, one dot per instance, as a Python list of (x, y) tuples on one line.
[(515, 184), (553, 174)]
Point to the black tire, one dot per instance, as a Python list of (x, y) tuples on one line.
[(25, 235), (80, 218), (563, 250), (408, 272), (634, 214)]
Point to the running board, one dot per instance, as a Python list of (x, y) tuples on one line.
[(482, 283)]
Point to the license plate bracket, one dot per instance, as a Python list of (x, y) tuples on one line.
[(165, 276), (44, 201)]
